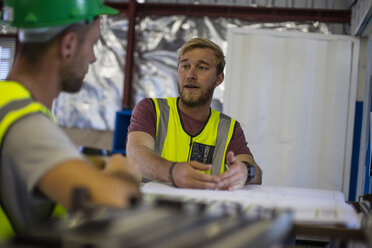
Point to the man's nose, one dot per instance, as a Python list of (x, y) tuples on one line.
[(93, 58), (191, 74)]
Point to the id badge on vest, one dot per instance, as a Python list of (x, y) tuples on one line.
[(202, 153)]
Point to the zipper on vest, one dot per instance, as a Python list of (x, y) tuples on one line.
[(190, 147)]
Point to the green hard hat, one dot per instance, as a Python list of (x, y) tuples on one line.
[(26, 14)]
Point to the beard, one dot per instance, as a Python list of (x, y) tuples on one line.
[(72, 80), (72, 83), (200, 100)]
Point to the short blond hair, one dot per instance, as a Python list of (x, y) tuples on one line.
[(204, 43)]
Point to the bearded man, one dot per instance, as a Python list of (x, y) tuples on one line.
[(182, 140), (40, 168)]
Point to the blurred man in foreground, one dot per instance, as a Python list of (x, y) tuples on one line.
[(39, 165)]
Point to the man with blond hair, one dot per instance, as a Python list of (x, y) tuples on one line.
[(182, 140)]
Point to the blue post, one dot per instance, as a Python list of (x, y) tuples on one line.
[(356, 149), (122, 122)]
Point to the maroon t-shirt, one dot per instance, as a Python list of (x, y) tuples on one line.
[(144, 119)]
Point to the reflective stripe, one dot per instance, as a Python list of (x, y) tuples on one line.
[(163, 124), (17, 104), (12, 116), (222, 135)]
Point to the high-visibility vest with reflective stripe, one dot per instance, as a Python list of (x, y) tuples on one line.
[(16, 102), (209, 146)]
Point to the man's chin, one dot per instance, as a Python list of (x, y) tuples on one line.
[(73, 88), (190, 102), (74, 91)]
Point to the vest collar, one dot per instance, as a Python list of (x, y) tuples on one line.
[(183, 127)]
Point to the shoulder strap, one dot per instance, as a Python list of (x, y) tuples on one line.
[(163, 124), (224, 134)]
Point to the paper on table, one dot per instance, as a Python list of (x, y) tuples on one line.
[(311, 206)]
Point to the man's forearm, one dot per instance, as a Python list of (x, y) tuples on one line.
[(59, 183), (151, 165)]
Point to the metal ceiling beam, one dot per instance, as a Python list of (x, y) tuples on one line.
[(257, 14)]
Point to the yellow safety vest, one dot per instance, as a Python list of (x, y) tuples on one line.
[(209, 146), (16, 102)]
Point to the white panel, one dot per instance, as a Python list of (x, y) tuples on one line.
[(7, 52), (291, 93)]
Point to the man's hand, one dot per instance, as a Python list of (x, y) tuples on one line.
[(115, 186), (236, 176), (187, 175), (119, 167), (117, 164)]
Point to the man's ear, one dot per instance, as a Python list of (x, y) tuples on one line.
[(68, 45), (220, 78)]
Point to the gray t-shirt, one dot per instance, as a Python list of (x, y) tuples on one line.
[(31, 147)]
